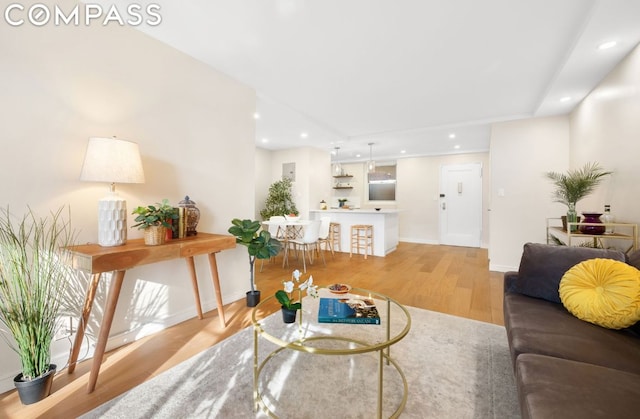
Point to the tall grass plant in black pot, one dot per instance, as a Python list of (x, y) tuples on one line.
[(34, 274)]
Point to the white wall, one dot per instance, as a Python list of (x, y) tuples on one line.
[(312, 172), (263, 179), (61, 85), (418, 195), (606, 128), (521, 152)]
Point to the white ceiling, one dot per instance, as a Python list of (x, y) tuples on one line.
[(402, 74)]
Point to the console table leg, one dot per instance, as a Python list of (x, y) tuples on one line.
[(194, 281), (86, 311), (109, 311), (216, 287)]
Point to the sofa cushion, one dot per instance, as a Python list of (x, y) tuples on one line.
[(605, 292), (542, 327), (558, 388), (542, 266), (633, 259)]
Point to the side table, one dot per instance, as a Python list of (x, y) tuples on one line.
[(96, 260)]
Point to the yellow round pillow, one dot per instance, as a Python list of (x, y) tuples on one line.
[(605, 292)]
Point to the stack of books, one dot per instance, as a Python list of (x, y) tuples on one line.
[(179, 226)]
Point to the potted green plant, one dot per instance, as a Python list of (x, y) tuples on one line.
[(259, 244), (154, 220), (34, 275), (288, 306), (280, 200), (574, 185)]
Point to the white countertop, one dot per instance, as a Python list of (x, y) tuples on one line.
[(358, 211)]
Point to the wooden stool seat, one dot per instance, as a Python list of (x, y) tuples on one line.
[(361, 239), (335, 236)]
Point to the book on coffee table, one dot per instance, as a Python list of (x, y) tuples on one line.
[(348, 310)]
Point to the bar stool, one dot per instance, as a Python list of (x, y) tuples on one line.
[(334, 236), (361, 239)]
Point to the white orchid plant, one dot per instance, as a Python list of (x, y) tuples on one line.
[(284, 296)]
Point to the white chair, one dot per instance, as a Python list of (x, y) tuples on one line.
[(307, 243), (277, 232), (325, 235)]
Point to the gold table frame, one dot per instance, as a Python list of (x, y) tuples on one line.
[(383, 348)]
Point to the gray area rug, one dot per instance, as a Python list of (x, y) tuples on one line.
[(455, 368)]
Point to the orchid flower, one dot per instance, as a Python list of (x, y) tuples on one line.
[(288, 286), (284, 296), (296, 274)]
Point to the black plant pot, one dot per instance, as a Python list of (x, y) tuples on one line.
[(33, 391), (253, 298), (288, 315)]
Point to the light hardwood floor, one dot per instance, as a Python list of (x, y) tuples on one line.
[(453, 280)]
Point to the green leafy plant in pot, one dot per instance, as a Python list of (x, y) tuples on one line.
[(259, 244), (574, 185), (154, 219), (34, 274)]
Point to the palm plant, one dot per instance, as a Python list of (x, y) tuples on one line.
[(33, 278), (575, 185)]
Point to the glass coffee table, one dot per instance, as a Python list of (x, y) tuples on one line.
[(318, 362)]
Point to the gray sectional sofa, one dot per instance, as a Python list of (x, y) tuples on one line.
[(566, 367)]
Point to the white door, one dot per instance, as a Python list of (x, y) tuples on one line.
[(461, 204)]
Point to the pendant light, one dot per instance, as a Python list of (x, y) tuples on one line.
[(337, 167), (371, 164)]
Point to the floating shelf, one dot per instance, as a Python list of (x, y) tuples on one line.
[(343, 176), (343, 187)]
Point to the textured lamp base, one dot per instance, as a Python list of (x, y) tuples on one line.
[(112, 221)]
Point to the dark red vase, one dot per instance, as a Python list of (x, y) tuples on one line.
[(594, 218)]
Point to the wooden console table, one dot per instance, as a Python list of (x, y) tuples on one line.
[(96, 260)]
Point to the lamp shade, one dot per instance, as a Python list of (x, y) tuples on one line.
[(112, 160)]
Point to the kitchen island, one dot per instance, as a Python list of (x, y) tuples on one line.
[(384, 222)]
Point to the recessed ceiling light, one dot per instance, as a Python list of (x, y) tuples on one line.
[(403, 151), (452, 135), (265, 140), (607, 45), (357, 155), (303, 135), (457, 146), (565, 99), (256, 115)]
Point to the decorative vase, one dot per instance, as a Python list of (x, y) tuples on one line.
[(168, 232), (564, 222), (572, 216), (32, 391), (288, 315), (154, 235), (253, 298), (594, 218), (192, 215)]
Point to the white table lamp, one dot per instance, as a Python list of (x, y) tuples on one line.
[(114, 161)]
